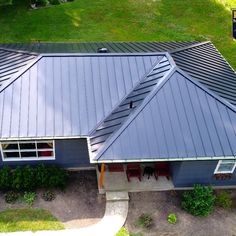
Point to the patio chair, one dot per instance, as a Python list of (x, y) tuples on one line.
[(162, 169), (116, 168), (133, 170)]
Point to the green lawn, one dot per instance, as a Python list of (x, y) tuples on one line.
[(32, 219), (122, 20)]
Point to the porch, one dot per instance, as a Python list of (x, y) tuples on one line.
[(118, 181)]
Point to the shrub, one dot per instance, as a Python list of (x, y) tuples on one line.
[(144, 221), (123, 232), (42, 175), (223, 199), (29, 198), (48, 196), (50, 176), (55, 2), (42, 3), (5, 178), (28, 178), (17, 179), (57, 177), (11, 197), (172, 219), (199, 201), (28, 181)]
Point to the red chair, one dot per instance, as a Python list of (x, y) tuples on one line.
[(133, 170), (162, 169), (116, 168)]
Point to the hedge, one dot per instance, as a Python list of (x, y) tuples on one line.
[(27, 178)]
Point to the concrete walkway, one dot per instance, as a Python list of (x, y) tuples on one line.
[(114, 218)]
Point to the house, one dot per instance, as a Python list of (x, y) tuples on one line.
[(86, 105)]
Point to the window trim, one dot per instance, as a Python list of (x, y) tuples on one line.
[(37, 158), (224, 172)]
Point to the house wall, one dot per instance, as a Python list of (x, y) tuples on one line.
[(70, 153), (188, 173)]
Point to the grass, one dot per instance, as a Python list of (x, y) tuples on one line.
[(122, 20), (33, 219)]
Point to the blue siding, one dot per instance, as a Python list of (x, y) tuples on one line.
[(69, 153), (188, 173)]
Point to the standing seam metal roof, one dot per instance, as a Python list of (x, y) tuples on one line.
[(113, 47), (185, 121), (69, 95), (205, 64), (12, 63), (128, 106)]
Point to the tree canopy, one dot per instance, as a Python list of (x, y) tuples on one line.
[(5, 2)]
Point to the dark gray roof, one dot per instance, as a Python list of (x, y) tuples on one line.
[(73, 95), (12, 63), (68, 96), (128, 106), (182, 120), (120, 47), (205, 64)]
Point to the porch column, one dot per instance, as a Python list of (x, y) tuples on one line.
[(101, 176)]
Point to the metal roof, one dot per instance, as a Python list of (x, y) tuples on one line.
[(205, 64), (92, 47), (69, 95), (128, 106), (56, 95), (11, 65), (182, 120)]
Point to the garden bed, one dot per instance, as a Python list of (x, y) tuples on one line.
[(77, 206), (160, 204)]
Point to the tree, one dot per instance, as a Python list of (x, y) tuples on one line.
[(5, 2)]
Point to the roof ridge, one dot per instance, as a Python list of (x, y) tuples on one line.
[(188, 47), (135, 113), (18, 51), (208, 91)]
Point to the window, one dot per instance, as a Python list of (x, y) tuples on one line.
[(27, 150), (225, 166)]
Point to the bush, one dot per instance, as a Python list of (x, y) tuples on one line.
[(172, 219), (223, 199), (144, 221), (5, 178), (28, 178), (23, 178), (28, 181), (29, 198), (48, 196), (199, 201), (17, 179), (57, 177), (55, 2), (42, 176), (51, 177), (41, 3), (11, 197)]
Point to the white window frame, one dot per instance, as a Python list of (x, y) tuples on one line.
[(20, 158), (224, 172)]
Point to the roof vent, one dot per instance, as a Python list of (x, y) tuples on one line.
[(102, 50)]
